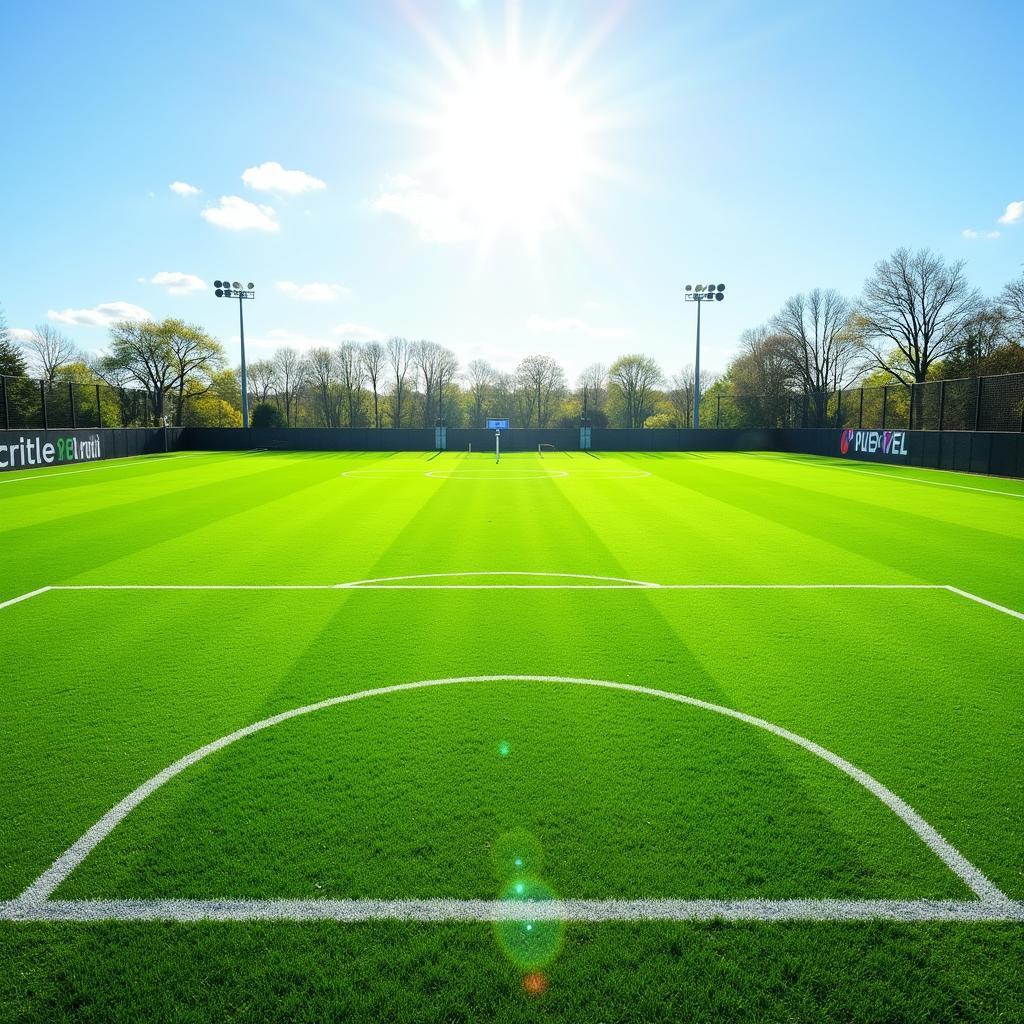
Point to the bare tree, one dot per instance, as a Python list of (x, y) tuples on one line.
[(820, 347), (263, 379), (593, 383), (913, 312), (680, 393), (351, 376), (426, 357), (447, 371), (635, 377), (49, 350), (12, 361), (1011, 301), (374, 359), (291, 370), (481, 378), (761, 376), (399, 353), (543, 381), (323, 376)]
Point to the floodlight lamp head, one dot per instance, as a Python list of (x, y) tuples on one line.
[(251, 286), (216, 284), (235, 285), (219, 292)]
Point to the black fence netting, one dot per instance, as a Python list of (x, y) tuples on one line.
[(28, 404), (971, 403)]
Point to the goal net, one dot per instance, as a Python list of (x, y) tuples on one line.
[(542, 448)]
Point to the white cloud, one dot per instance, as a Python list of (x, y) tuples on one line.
[(357, 332), (971, 233), (315, 291), (182, 188), (20, 333), (991, 234), (178, 283), (436, 218), (572, 325), (1014, 212), (238, 214), (103, 315), (272, 177)]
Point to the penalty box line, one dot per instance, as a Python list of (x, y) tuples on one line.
[(470, 911), (639, 585)]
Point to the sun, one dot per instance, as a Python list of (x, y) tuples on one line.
[(513, 147)]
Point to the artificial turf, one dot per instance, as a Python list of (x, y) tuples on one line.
[(409, 795)]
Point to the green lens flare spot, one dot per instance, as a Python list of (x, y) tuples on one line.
[(516, 854), (530, 941), (504, 749)]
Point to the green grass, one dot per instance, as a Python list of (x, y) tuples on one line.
[(408, 795)]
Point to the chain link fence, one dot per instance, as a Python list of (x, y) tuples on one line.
[(29, 404), (970, 403)]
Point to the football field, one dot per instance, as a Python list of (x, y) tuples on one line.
[(581, 737)]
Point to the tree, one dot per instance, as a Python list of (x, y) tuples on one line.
[(543, 381), (447, 371), (760, 377), (374, 358), (593, 383), (635, 377), (913, 312), (399, 356), (1011, 301), (195, 356), (49, 350), (481, 378), (140, 352), (263, 379), (265, 414), (679, 396), (323, 378), (350, 374), (12, 361), (820, 348), (292, 371)]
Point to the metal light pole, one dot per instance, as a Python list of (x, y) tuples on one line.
[(700, 293), (232, 290)]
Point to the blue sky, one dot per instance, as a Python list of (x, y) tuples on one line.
[(773, 147)]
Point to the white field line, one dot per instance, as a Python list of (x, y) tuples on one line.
[(44, 886), (839, 464), (24, 597), (382, 584), (21, 475), (987, 604), (449, 575), (440, 910)]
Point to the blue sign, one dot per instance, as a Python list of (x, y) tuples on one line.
[(497, 424)]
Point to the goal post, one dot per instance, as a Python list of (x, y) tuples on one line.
[(542, 448)]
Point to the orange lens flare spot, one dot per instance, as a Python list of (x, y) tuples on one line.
[(535, 983)]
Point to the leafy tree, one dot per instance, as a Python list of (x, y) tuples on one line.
[(195, 357), (140, 352), (634, 379), (481, 378), (12, 360), (265, 414), (542, 382)]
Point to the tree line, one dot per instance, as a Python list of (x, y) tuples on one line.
[(918, 318)]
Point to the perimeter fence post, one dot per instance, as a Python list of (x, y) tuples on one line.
[(7, 411), (718, 412), (860, 414), (910, 410), (71, 402), (839, 407), (885, 403), (99, 408), (42, 401), (977, 405), (942, 402)]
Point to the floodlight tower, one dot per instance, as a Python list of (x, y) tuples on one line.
[(232, 290), (700, 293)]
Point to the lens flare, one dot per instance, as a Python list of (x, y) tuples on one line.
[(504, 749), (515, 855), (529, 942), (535, 983)]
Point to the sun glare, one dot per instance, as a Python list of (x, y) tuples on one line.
[(512, 148)]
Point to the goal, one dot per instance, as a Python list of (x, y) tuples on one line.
[(542, 448)]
